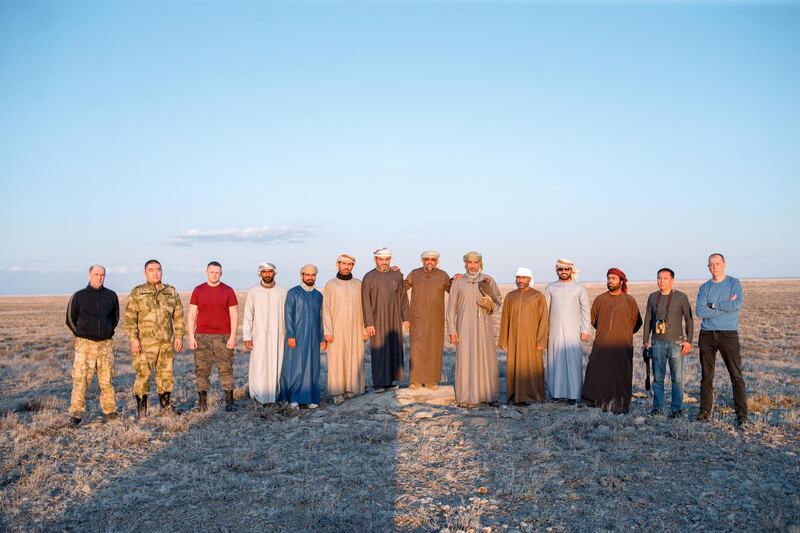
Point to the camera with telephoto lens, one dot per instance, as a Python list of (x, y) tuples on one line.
[(661, 327)]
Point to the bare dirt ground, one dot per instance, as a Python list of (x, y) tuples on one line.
[(398, 461)]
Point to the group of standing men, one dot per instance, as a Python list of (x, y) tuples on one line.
[(286, 330)]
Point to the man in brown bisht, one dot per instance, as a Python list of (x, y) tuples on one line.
[(609, 373), (343, 325), (523, 331), (473, 299), (385, 304), (428, 285)]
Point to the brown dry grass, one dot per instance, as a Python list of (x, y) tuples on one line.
[(375, 464)]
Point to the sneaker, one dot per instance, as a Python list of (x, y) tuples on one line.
[(74, 421), (294, 405), (703, 416), (379, 391), (676, 414), (313, 405), (338, 400)]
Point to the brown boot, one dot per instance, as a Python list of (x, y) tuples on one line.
[(202, 401), (229, 405)]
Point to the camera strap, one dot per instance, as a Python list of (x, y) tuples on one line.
[(658, 301)]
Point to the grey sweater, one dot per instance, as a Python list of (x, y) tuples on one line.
[(679, 312)]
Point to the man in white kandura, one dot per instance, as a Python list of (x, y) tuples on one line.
[(263, 331), (568, 307)]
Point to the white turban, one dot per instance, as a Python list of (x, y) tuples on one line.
[(308, 269), (568, 263), (430, 253), (524, 272), (382, 252), (346, 257), (267, 266)]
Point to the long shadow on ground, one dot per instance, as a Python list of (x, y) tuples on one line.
[(326, 470)]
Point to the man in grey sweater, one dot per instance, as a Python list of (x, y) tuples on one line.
[(668, 310)]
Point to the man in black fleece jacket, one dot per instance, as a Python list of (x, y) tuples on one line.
[(92, 316)]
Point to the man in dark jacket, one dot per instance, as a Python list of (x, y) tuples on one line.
[(92, 316)]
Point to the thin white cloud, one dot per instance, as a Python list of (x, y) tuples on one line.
[(264, 234), (39, 270)]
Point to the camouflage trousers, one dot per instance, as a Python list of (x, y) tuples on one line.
[(153, 357), (211, 349), (90, 356)]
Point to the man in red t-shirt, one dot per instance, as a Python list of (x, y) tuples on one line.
[(213, 321)]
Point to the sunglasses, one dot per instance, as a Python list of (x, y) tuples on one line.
[(563, 270)]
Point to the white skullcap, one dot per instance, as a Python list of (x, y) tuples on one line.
[(430, 253), (524, 272), (382, 252), (267, 266), (309, 269)]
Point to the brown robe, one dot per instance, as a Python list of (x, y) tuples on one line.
[(524, 328), (385, 305), (609, 373), (427, 324)]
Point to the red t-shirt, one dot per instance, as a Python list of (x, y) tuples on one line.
[(212, 304)]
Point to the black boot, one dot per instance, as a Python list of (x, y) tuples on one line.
[(166, 405), (229, 405), (141, 407), (202, 401)]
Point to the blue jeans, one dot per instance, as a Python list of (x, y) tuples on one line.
[(663, 352)]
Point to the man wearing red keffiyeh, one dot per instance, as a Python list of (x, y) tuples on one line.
[(609, 373)]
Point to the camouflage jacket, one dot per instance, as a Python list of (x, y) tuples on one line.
[(154, 313)]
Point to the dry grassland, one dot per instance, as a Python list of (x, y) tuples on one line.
[(399, 461)]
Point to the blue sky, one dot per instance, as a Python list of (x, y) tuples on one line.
[(622, 134)]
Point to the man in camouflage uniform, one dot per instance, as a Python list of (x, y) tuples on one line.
[(92, 316), (154, 324)]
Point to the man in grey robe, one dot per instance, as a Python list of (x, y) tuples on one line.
[(473, 300), (568, 306)]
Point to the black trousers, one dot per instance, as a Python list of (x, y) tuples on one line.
[(727, 343)]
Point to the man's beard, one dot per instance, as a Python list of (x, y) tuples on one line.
[(613, 288), (564, 276)]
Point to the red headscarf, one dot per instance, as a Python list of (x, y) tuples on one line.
[(622, 277)]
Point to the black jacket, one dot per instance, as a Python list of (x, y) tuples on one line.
[(93, 313)]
